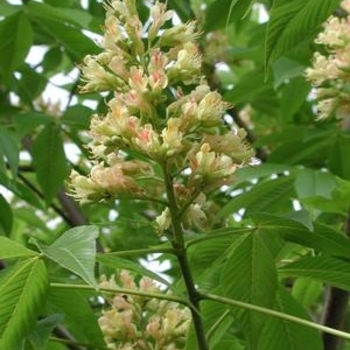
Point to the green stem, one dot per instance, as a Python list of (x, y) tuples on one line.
[(178, 243), (220, 299), (138, 252), (123, 291)]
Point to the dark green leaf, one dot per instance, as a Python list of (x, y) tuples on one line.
[(6, 217), (75, 250), (76, 43), (9, 149), (39, 337), (293, 22), (22, 296), (261, 197), (49, 161), (338, 160), (223, 12), (329, 270), (81, 320), (16, 37)]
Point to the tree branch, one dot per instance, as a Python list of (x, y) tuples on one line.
[(335, 308)]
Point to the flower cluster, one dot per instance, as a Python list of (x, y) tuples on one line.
[(331, 70), (163, 116), (134, 322)]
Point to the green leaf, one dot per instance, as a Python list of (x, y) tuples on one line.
[(307, 291), (39, 337), (249, 88), (323, 238), (116, 262), (16, 37), (284, 69), (7, 9), (261, 197), (49, 161), (293, 22), (31, 84), (223, 12), (282, 334), (310, 182), (80, 19), (22, 295), (329, 270), (6, 216), (338, 161), (12, 249), (76, 43), (78, 116), (294, 95), (9, 149), (80, 321), (75, 250), (249, 275)]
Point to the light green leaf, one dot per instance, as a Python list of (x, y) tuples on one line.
[(16, 37), (294, 21), (6, 216), (307, 291), (22, 296), (116, 262), (249, 275), (75, 250), (282, 334), (329, 270), (11, 249), (285, 69), (310, 182), (49, 161)]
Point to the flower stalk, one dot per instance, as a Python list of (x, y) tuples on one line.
[(164, 119)]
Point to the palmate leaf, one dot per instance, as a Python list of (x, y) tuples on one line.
[(75, 250), (282, 334), (249, 275), (294, 21), (329, 270), (12, 249), (22, 295), (323, 238)]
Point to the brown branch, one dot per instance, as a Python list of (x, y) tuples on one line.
[(336, 303), (62, 333)]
